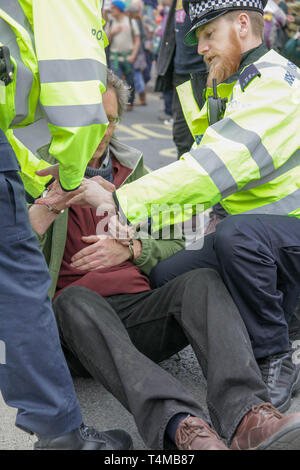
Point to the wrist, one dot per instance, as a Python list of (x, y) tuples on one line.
[(55, 210), (137, 249)]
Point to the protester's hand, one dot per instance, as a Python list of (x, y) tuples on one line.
[(55, 197), (50, 170), (102, 252), (122, 233), (104, 183), (91, 194)]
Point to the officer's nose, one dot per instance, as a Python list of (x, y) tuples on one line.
[(202, 46)]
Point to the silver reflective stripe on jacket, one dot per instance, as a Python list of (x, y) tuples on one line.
[(231, 130), (283, 206), (216, 169), (291, 163), (290, 68), (24, 77), (75, 70), (75, 115)]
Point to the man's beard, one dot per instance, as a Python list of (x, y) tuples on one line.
[(226, 63)]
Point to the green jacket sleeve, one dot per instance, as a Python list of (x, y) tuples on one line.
[(154, 251)]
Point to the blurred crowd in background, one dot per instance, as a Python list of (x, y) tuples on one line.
[(135, 29)]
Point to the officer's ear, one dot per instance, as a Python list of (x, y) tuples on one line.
[(243, 24)]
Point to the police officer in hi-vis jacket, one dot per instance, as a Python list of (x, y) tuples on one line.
[(52, 65)]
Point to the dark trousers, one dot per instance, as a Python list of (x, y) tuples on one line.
[(168, 98), (258, 257), (34, 377), (118, 340), (182, 136)]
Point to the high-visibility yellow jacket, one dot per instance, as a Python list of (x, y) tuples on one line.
[(249, 160), (57, 49)]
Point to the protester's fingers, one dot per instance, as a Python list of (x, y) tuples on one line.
[(49, 200), (86, 265), (104, 183), (90, 238), (77, 199), (50, 170), (84, 252)]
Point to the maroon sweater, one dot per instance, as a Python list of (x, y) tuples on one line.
[(125, 278)]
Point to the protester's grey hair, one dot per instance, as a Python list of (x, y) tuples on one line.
[(120, 88)]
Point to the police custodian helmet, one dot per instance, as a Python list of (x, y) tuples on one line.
[(204, 11)]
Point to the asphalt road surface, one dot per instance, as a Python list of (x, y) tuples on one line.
[(142, 129)]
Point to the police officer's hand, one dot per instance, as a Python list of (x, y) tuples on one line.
[(92, 194)]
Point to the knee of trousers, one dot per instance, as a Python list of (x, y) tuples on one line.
[(159, 276), (198, 282), (236, 233), (75, 305)]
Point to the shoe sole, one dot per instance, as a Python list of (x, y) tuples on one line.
[(105, 450), (295, 389), (288, 439)]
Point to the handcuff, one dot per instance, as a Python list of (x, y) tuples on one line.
[(52, 208), (130, 246)]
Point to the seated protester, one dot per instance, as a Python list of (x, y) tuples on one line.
[(114, 328)]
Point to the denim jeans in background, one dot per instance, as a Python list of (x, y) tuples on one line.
[(168, 98), (138, 79)]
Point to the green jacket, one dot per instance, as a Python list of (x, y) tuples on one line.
[(57, 50), (54, 240), (249, 160)]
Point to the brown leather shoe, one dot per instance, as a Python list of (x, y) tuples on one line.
[(264, 427), (195, 434)]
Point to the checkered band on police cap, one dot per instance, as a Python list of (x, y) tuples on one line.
[(202, 12), (197, 10)]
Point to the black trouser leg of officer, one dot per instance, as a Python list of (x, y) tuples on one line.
[(259, 259)]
